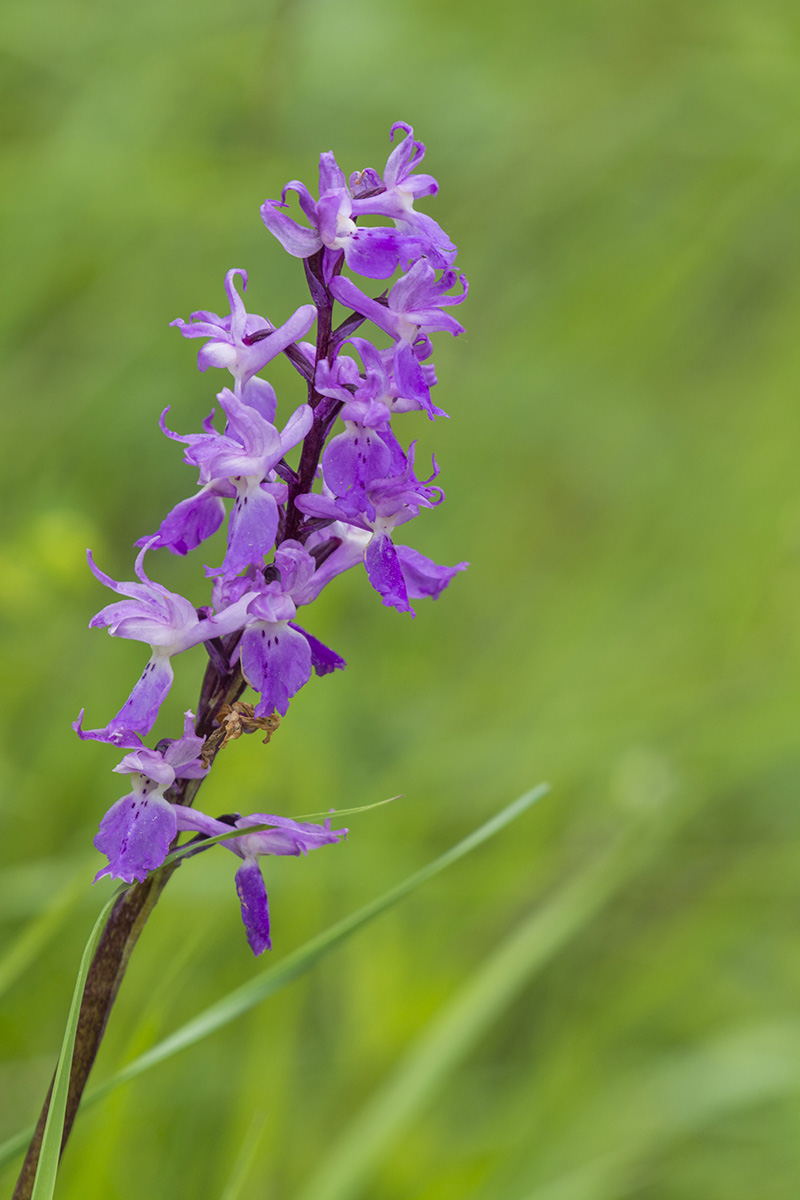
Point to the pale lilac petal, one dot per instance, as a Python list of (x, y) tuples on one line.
[(333, 218), (299, 241), (330, 173), (265, 349), (348, 294), (147, 762), (411, 381), (140, 710), (288, 837), (271, 605), (314, 505), (251, 529), (258, 443), (423, 576), (255, 910), (296, 427), (113, 734), (260, 394), (135, 836)]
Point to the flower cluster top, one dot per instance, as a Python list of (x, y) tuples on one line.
[(290, 529)]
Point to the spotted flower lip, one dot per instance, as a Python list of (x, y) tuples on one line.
[(136, 832)]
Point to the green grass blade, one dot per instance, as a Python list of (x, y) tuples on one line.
[(243, 998), (348, 812), (454, 1031), (47, 1169)]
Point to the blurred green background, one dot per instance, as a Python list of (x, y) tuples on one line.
[(623, 182)]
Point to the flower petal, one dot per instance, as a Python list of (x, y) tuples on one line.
[(135, 835), (276, 661), (385, 573), (255, 910)]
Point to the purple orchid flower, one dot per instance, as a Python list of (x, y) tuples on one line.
[(277, 656), (238, 463), (412, 310), (286, 837), (136, 832), (394, 197), (370, 252), (163, 620), (229, 345), (368, 489), (374, 397), (390, 502), (169, 624)]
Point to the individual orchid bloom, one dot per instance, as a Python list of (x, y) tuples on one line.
[(285, 837), (391, 501), (243, 458), (395, 496), (420, 234), (244, 343), (413, 310), (277, 656), (166, 622), (136, 832), (169, 624), (371, 398), (370, 252)]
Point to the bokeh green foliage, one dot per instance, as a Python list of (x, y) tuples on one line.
[(622, 180)]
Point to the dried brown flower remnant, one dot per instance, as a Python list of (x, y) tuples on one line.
[(234, 720)]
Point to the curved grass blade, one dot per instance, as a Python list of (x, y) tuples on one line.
[(47, 1169), (243, 998), (348, 812)]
